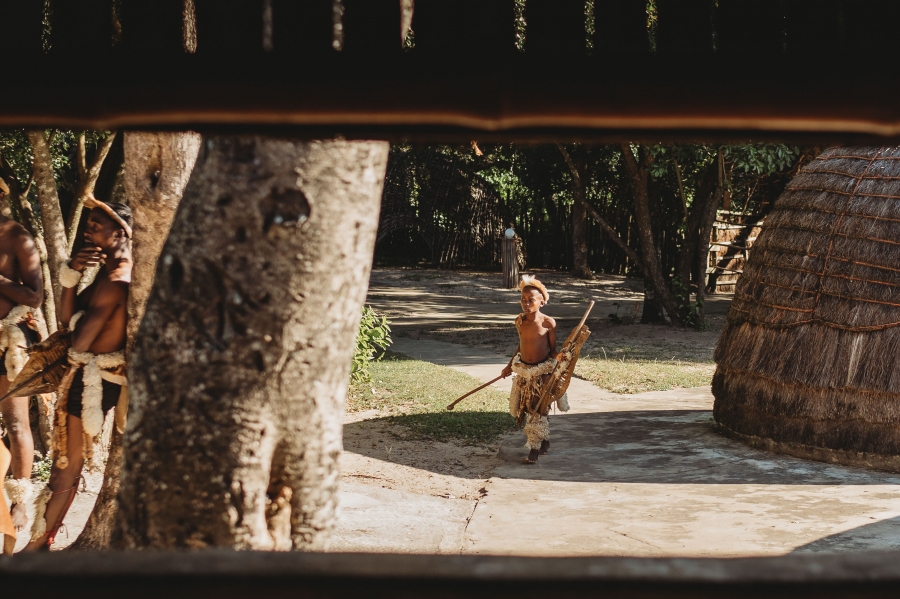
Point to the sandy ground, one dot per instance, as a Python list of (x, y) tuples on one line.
[(375, 453), (471, 308)]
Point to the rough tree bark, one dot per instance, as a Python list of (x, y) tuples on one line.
[(639, 173), (242, 363), (51, 214), (157, 169)]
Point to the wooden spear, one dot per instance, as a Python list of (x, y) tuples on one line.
[(475, 390)]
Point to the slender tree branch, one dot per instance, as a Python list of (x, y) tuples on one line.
[(87, 181), (681, 188), (81, 157), (610, 232), (630, 162)]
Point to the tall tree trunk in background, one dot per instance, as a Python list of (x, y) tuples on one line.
[(579, 241), (157, 169), (653, 310), (696, 238), (639, 173), (51, 214), (242, 363), (708, 220), (579, 214)]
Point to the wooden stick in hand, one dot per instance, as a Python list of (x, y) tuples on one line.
[(475, 390)]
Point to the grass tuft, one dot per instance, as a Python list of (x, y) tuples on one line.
[(639, 376), (415, 394), (659, 366)]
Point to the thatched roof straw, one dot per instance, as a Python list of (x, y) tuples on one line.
[(809, 361)]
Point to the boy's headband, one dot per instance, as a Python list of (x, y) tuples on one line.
[(530, 281), (95, 203)]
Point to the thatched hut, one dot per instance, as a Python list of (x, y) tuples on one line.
[(809, 361)]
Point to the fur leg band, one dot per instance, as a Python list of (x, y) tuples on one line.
[(19, 490), (39, 526), (537, 429)]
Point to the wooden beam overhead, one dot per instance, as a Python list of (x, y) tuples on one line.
[(735, 69)]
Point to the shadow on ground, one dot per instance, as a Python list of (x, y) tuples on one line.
[(877, 535), (667, 447), (642, 446), (460, 427)]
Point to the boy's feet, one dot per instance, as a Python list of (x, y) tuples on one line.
[(532, 457), (545, 447)]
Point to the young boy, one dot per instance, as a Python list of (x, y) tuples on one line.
[(533, 361)]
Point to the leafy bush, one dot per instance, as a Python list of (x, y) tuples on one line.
[(374, 336)]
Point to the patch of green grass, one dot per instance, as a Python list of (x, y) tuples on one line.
[(638, 375), (416, 394)]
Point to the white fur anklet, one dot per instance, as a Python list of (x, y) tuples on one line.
[(68, 277), (19, 490), (39, 525)]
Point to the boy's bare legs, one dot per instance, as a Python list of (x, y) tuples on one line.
[(545, 443), (21, 445), (63, 480), (534, 453)]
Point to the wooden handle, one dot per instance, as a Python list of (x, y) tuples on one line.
[(584, 318), (475, 390)]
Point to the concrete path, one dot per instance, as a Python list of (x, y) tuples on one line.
[(647, 475)]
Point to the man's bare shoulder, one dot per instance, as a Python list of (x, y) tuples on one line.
[(549, 322), (14, 231), (108, 289), (121, 274)]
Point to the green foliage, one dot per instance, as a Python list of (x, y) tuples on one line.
[(762, 159), (374, 335), (689, 311), (520, 25), (415, 394)]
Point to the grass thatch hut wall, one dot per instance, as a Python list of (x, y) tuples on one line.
[(809, 361)]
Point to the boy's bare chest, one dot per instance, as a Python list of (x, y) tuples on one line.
[(532, 330)]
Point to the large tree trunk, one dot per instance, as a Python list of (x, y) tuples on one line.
[(242, 363), (579, 221), (51, 215), (639, 174), (157, 169), (582, 268)]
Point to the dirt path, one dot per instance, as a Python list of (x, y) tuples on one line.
[(470, 308), (642, 475)]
